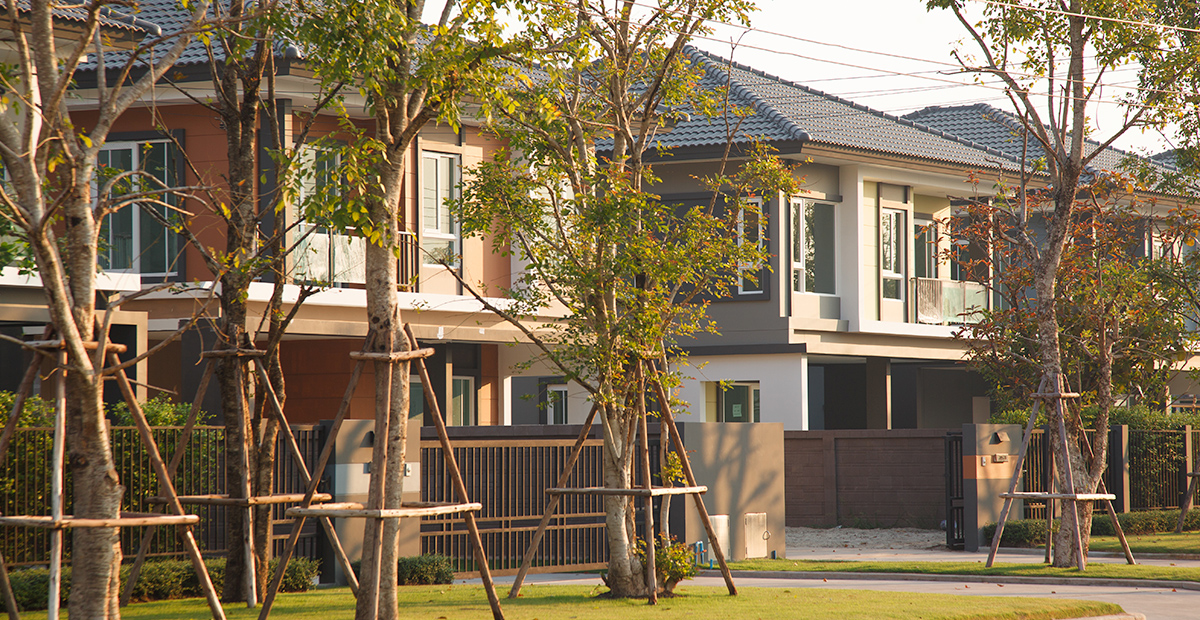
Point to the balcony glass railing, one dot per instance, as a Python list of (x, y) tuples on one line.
[(947, 302)]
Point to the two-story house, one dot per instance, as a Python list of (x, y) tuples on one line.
[(182, 142), (852, 323)]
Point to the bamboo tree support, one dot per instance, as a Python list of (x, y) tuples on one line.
[(376, 511), (1068, 494), (563, 478), (1193, 479), (314, 481), (677, 439), (56, 521), (1016, 478), (180, 448), (56, 486), (644, 444), (460, 488), (160, 469)]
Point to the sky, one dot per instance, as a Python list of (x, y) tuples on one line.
[(850, 49)]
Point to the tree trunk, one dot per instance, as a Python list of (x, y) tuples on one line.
[(625, 578), (391, 387)]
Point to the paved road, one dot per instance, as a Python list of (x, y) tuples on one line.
[(1154, 603)]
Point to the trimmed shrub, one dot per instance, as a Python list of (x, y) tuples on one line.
[(423, 570), (158, 580), (1019, 533), (1032, 532), (419, 570)]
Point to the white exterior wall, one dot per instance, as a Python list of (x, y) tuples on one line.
[(782, 383)]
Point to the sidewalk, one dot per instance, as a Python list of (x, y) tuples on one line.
[(1156, 601), (1008, 555)]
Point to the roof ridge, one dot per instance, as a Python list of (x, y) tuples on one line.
[(709, 56), (769, 111)]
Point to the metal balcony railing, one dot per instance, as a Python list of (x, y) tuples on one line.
[(947, 302)]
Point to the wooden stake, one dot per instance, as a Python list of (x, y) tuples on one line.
[(160, 469), (677, 439), (1187, 498), (1049, 503), (56, 488), (1016, 480), (460, 487), (185, 437), (315, 480), (10, 601), (548, 514), (644, 445)]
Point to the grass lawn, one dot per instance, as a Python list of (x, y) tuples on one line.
[(1169, 542), (1114, 571), (579, 603)]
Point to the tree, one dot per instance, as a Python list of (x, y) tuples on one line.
[(1053, 58), (411, 74), (51, 174), (1120, 328), (572, 197), (242, 67)]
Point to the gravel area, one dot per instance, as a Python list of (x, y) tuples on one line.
[(840, 537)]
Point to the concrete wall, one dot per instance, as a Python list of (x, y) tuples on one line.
[(780, 377), (741, 466), (351, 479), (865, 477), (989, 460)]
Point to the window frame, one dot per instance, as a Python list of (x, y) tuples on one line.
[(899, 242), (754, 395), (562, 395), (172, 253), (801, 236), (925, 234), (436, 233), (746, 267)]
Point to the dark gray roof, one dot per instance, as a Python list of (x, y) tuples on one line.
[(782, 110), (109, 19), (1000, 130)]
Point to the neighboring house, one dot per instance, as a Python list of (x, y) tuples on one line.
[(470, 368), (851, 324)]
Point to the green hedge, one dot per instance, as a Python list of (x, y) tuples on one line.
[(1032, 532), (158, 580), (420, 570)]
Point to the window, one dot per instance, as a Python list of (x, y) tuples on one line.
[(556, 404), (439, 184), (323, 255), (462, 403), (134, 240), (750, 233), (739, 402), (891, 242), (925, 249), (813, 246)]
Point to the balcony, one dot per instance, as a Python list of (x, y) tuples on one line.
[(947, 302)]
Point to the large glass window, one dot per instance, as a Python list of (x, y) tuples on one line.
[(439, 184), (750, 233), (813, 247), (891, 241), (134, 239)]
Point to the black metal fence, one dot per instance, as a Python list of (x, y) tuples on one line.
[(1147, 469), (25, 489), (508, 469)]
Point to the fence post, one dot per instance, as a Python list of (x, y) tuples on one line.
[(1185, 464), (1118, 466)]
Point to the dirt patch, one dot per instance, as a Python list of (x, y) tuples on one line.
[(841, 537)]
